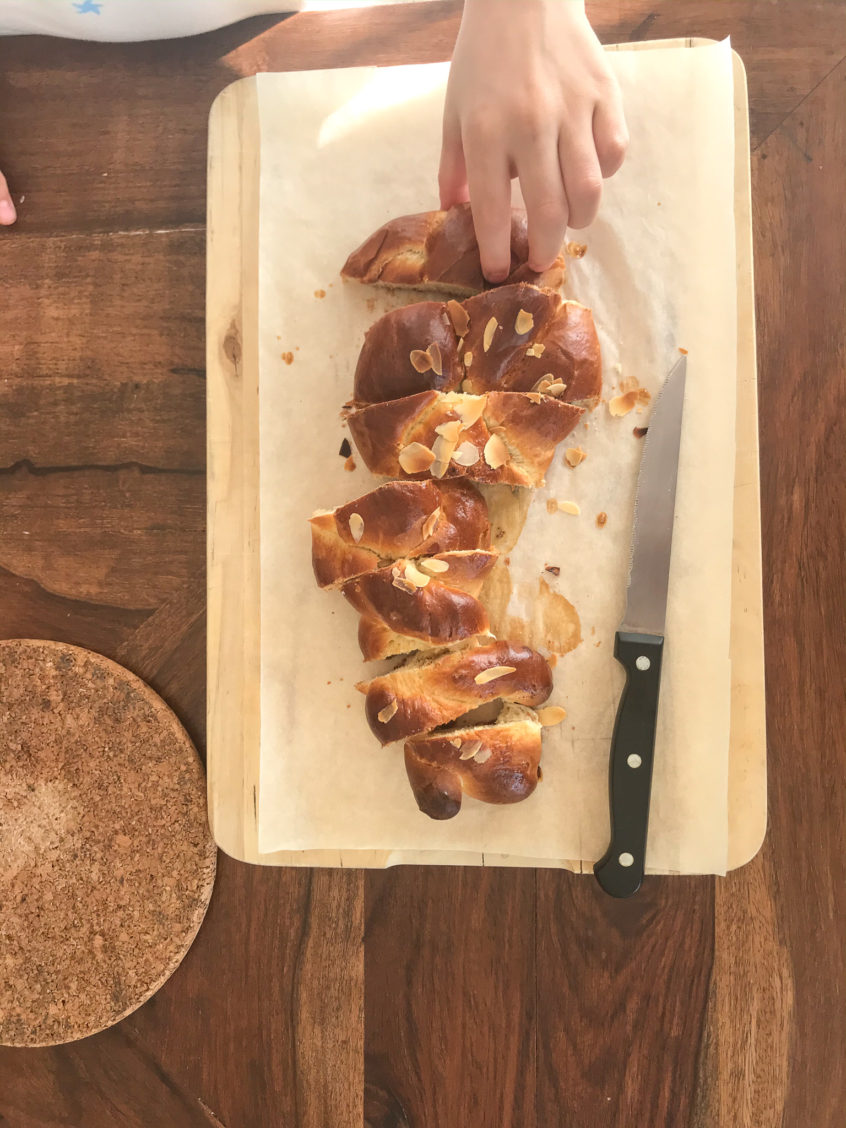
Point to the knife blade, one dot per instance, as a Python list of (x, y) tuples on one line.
[(639, 643)]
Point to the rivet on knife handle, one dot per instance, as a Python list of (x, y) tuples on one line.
[(620, 870)]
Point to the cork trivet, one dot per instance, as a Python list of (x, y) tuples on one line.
[(106, 860)]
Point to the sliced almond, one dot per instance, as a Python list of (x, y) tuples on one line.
[(482, 756), (492, 673), (449, 430), (536, 349), (415, 458), (415, 576), (622, 405), (390, 710), (431, 522), (468, 358), (551, 715), (569, 507), (470, 410), (435, 359), (456, 742), (433, 565), (543, 384), (490, 329), (356, 527), (535, 397), (558, 388), (524, 322), (573, 456), (405, 585), (458, 317), (551, 505), (420, 360), (438, 468), (496, 452), (466, 454), (575, 250), (469, 748), (443, 448)]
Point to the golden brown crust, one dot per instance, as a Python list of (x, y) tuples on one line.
[(438, 249), (530, 425), (505, 769), (398, 617), (397, 519), (531, 333), (417, 698)]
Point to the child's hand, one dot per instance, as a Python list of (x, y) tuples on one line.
[(7, 208), (531, 95)]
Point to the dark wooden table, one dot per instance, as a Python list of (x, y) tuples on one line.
[(432, 998)]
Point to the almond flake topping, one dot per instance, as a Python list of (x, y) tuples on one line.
[(431, 522), (551, 715), (466, 454), (490, 329), (414, 576), (492, 673), (496, 452), (458, 317), (433, 565), (469, 748), (356, 527), (435, 360), (482, 756), (420, 360), (524, 322), (470, 409), (415, 458), (390, 710)]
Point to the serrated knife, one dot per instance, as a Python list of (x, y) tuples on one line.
[(639, 643)]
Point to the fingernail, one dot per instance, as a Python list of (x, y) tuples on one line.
[(7, 212), (496, 276)]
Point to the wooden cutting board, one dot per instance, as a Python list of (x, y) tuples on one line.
[(233, 500)]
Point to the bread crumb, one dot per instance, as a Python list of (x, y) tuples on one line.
[(350, 464), (553, 568), (639, 432), (573, 456), (320, 293), (551, 505), (682, 351), (601, 518), (288, 357), (346, 449)]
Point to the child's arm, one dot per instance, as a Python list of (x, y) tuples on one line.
[(7, 208), (530, 94)]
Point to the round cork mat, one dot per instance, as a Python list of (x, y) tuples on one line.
[(106, 860)]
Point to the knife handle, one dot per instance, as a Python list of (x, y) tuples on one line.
[(620, 870)]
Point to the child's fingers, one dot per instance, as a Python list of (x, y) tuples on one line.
[(610, 134), (490, 197), (546, 202), (452, 174), (582, 175), (8, 214)]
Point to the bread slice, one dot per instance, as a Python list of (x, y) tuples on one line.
[(397, 519), (497, 763), (429, 691), (437, 250), (405, 607), (513, 339), (503, 437)]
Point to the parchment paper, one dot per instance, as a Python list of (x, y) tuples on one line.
[(341, 152)]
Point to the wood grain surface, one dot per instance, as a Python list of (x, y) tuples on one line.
[(410, 998)]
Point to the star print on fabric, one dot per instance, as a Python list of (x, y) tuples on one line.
[(89, 6)]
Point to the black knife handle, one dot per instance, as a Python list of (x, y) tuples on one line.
[(620, 870)]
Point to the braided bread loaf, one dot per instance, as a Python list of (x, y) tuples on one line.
[(444, 392), (437, 250)]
